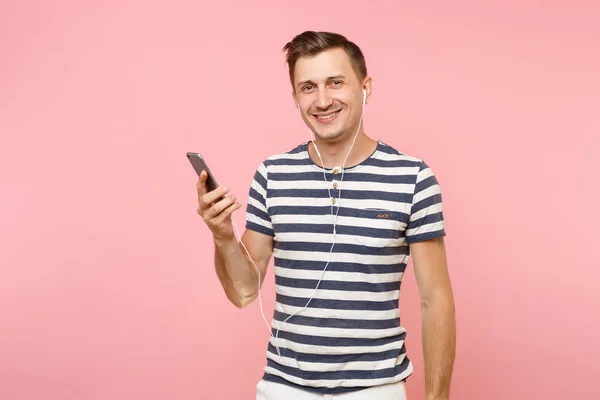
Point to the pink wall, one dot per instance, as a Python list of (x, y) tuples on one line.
[(107, 289)]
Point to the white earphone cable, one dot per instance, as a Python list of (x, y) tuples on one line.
[(334, 222)]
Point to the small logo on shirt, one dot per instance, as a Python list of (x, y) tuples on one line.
[(383, 216)]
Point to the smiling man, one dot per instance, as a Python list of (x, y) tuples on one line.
[(340, 215)]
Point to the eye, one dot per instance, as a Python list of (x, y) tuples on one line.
[(336, 83), (307, 88)]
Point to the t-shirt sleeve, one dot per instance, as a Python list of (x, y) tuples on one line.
[(426, 217), (257, 215)]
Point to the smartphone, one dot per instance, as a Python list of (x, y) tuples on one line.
[(200, 165)]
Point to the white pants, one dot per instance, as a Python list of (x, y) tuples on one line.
[(266, 390)]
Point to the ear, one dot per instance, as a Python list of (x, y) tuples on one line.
[(368, 86), (296, 104)]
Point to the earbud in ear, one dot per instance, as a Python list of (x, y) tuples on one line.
[(364, 96)]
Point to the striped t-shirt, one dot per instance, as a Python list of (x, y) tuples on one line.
[(350, 335)]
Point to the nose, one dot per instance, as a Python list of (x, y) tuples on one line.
[(324, 100)]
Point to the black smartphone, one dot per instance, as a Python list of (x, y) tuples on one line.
[(200, 165)]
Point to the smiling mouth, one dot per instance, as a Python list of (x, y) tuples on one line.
[(327, 117)]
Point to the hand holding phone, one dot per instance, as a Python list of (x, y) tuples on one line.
[(213, 204)]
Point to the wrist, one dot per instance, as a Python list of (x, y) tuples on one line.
[(437, 397), (225, 243)]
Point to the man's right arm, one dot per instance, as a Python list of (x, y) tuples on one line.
[(235, 269), (234, 266)]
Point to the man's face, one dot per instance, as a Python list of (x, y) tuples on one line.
[(329, 94)]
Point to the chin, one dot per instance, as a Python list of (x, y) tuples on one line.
[(328, 132), (332, 134), (329, 136)]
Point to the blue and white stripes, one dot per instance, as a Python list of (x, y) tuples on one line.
[(350, 336)]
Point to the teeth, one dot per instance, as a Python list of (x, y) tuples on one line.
[(328, 116)]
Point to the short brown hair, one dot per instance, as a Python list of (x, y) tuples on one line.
[(310, 43)]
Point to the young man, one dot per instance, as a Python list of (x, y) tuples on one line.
[(340, 214)]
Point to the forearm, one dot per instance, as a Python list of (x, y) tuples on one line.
[(439, 346), (237, 275)]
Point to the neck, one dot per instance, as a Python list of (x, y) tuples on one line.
[(334, 153)]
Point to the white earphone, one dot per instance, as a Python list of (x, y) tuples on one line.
[(334, 220), (334, 216)]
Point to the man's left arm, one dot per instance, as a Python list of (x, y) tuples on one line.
[(438, 315)]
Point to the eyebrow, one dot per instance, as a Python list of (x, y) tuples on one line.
[(328, 79)]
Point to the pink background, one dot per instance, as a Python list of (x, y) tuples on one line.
[(107, 289)]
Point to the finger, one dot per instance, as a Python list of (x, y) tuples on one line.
[(209, 197), (226, 213), (218, 207), (201, 185)]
